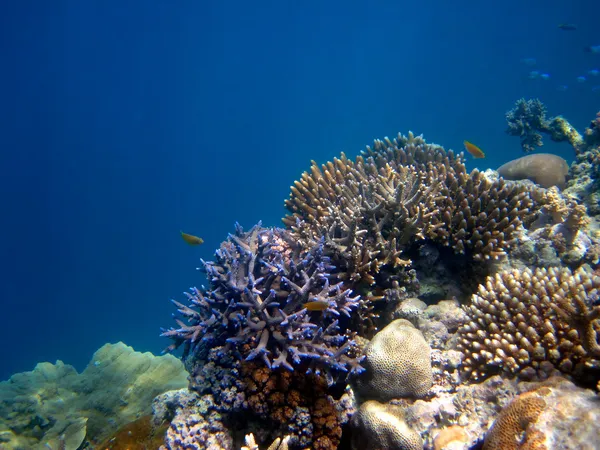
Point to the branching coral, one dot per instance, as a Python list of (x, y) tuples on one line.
[(528, 120), (399, 191), (261, 301), (524, 320)]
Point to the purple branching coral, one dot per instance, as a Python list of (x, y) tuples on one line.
[(269, 301)]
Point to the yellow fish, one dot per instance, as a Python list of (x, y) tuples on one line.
[(191, 239), (318, 305), (474, 150)]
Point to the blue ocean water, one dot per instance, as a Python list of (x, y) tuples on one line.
[(123, 123)]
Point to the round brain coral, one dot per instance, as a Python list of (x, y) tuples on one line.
[(381, 426), (397, 363)]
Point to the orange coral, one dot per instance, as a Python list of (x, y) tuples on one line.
[(276, 395), (510, 430), (138, 435)]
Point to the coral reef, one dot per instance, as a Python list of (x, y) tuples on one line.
[(54, 406), (381, 426), (401, 238), (527, 120), (529, 322), (545, 169), (397, 363)]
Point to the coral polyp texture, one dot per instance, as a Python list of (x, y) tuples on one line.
[(270, 302), (528, 323), (371, 208)]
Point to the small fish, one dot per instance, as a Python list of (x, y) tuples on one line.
[(595, 88), (581, 79), (594, 72), (529, 61), (567, 26), (545, 76), (317, 305), (533, 74), (562, 87), (592, 49), (191, 239), (475, 151)]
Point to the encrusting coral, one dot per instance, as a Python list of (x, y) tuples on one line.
[(523, 320)]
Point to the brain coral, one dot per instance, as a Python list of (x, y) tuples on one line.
[(521, 321), (379, 426), (545, 169), (397, 363)]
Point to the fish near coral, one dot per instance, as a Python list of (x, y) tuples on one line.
[(475, 151), (545, 169), (191, 239)]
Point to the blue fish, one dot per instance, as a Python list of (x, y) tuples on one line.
[(581, 79), (593, 49), (594, 72)]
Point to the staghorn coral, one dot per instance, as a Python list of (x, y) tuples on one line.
[(380, 426), (371, 209), (397, 363), (260, 286), (545, 169), (527, 120), (522, 321)]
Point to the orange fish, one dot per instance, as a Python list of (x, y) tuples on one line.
[(475, 151), (191, 239), (318, 305)]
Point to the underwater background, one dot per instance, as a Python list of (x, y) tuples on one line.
[(123, 123)]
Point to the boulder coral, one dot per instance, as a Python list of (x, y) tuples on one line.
[(397, 363), (380, 426), (545, 169)]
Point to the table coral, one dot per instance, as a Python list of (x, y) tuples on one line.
[(522, 320)]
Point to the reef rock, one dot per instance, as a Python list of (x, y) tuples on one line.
[(545, 169)]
